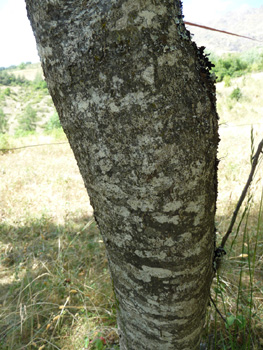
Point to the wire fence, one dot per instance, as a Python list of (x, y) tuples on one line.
[(29, 146), (224, 125)]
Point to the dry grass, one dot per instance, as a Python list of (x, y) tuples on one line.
[(55, 287), (42, 180), (239, 288), (235, 134)]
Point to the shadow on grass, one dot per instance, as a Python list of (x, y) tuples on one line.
[(54, 282), (55, 290)]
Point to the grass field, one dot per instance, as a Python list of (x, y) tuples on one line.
[(55, 287)]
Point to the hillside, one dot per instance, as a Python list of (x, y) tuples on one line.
[(25, 100), (26, 97), (247, 21), (30, 72)]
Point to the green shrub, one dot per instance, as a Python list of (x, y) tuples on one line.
[(236, 94), (5, 143), (231, 66), (22, 65), (236, 65), (2, 98), (3, 122), (7, 92), (227, 80), (53, 122), (28, 120), (39, 83), (11, 79), (57, 134)]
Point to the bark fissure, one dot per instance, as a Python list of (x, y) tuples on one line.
[(137, 103)]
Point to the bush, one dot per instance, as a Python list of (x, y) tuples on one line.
[(3, 122), (22, 65), (236, 94), (227, 80), (229, 66), (53, 122), (236, 65), (5, 143), (39, 83), (7, 92), (28, 121), (10, 79)]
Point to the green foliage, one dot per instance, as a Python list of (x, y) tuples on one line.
[(22, 65), (238, 321), (57, 134), (3, 121), (2, 97), (231, 66), (5, 142), (7, 92), (236, 65), (236, 94), (53, 122), (7, 78), (227, 80), (97, 343), (28, 120), (254, 58), (10, 79), (38, 83)]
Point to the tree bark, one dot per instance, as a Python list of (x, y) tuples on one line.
[(137, 103)]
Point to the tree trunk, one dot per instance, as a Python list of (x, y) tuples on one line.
[(137, 103)]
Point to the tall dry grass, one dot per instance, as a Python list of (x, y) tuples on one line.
[(238, 288), (54, 282)]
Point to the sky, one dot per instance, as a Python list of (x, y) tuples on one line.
[(17, 43)]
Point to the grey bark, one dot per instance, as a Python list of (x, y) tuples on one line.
[(137, 104)]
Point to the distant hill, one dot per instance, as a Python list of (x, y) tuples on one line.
[(25, 98), (29, 72), (246, 21)]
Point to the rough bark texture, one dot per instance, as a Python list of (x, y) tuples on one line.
[(137, 103)]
